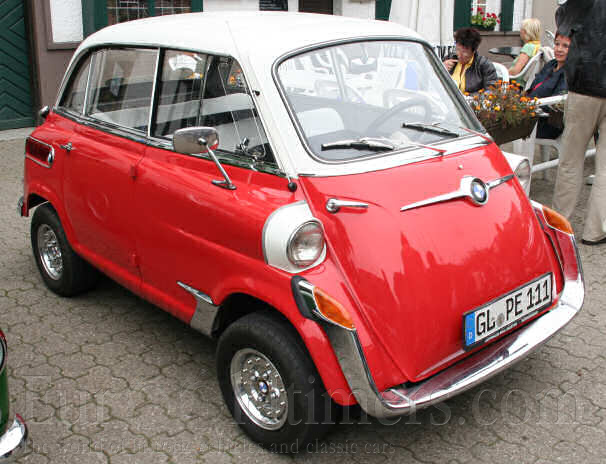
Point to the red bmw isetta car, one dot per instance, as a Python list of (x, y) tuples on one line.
[(311, 191)]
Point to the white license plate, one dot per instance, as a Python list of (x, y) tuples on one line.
[(494, 318)]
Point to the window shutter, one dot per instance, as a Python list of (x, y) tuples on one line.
[(462, 14), (507, 15), (273, 5), (382, 9), (315, 6)]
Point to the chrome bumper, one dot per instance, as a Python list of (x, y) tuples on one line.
[(14, 440), (471, 371)]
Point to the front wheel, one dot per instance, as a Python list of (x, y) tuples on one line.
[(270, 384), (63, 271)]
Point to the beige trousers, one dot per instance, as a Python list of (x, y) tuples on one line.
[(583, 115)]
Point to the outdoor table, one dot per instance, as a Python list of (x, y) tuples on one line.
[(510, 51)]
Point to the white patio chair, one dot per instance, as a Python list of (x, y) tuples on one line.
[(529, 71), (502, 71)]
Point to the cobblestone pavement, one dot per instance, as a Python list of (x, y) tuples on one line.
[(109, 378)]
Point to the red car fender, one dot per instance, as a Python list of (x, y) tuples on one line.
[(273, 287), (41, 190)]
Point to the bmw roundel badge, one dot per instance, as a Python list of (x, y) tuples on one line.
[(479, 191)]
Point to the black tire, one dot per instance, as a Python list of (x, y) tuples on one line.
[(63, 271), (310, 413)]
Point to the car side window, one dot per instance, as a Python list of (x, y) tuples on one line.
[(75, 92), (121, 87), (179, 91), (227, 105)]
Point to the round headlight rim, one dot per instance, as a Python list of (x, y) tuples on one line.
[(289, 256), (524, 164)]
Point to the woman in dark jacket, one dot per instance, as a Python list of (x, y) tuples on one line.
[(470, 71), (550, 81)]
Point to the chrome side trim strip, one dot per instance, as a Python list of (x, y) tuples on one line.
[(464, 190), (471, 371), (206, 311)]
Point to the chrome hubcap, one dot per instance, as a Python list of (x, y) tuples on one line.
[(259, 389), (50, 252)]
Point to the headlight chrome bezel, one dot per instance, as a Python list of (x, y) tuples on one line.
[(524, 173), (298, 262)]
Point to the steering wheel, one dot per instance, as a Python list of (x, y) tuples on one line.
[(415, 100)]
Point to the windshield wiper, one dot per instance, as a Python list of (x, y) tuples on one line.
[(429, 128), (364, 143)]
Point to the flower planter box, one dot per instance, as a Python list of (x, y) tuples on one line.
[(503, 135), (483, 28)]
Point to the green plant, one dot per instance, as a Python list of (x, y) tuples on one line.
[(503, 105), (484, 19)]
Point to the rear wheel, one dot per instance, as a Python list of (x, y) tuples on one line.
[(63, 271), (270, 384)]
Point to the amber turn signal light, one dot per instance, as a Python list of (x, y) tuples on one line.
[(557, 221), (332, 310)]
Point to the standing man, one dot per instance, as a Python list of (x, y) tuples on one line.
[(584, 21)]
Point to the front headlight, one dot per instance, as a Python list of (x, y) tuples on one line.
[(306, 244), (523, 173)]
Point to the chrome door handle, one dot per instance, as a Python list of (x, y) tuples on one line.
[(333, 205), (67, 147)]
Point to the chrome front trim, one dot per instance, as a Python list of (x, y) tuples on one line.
[(14, 441), (333, 205), (472, 370), (206, 311), (463, 191)]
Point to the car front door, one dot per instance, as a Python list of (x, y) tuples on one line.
[(197, 233)]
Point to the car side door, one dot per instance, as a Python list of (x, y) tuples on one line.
[(197, 233), (106, 146)]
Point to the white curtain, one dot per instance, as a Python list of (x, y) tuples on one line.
[(431, 18)]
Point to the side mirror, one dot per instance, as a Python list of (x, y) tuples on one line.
[(195, 140), (43, 112)]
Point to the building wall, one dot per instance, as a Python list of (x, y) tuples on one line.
[(50, 57), (545, 11)]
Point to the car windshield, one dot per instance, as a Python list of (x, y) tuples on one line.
[(356, 99)]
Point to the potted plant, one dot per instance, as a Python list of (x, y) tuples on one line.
[(505, 112), (483, 20)]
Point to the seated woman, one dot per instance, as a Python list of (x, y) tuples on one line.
[(469, 70), (530, 34), (551, 81)]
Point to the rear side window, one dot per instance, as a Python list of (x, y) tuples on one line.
[(228, 106), (73, 97), (121, 87), (179, 91)]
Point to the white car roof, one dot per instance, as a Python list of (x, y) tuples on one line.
[(239, 33)]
